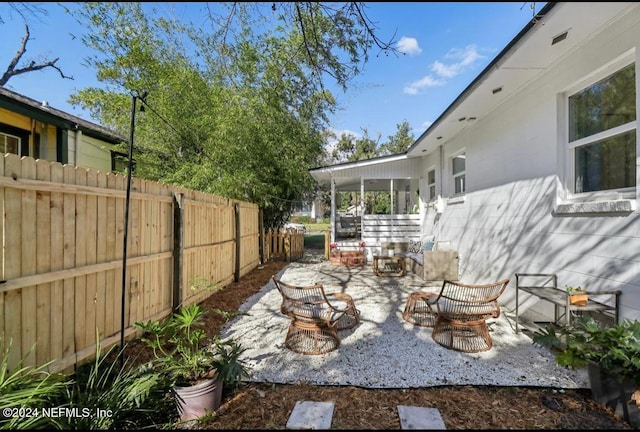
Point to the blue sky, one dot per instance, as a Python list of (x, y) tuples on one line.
[(446, 44)]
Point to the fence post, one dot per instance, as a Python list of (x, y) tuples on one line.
[(261, 235), (178, 236), (327, 237), (236, 275), (287, 246)]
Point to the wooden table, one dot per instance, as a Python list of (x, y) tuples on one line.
[(391, 265)]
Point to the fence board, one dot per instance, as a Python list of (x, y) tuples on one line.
[(69, 261), (111, 278), (91, 299), (102, 232), (80, 261), (28, 250), (43, 264), (13, 262), (57, 263)]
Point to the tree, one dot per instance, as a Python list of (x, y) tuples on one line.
[(231, 110), (18, 64), (350, 148), (400, 141)]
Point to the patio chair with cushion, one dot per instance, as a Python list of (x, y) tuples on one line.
[(461, 312), (315, 317)]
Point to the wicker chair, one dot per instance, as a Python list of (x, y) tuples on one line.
[(461, 311), (315, 317)]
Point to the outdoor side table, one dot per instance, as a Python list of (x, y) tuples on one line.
[(418, 311), (389, 265)]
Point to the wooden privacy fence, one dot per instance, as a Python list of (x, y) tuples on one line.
[(284, 244), (62, 257)]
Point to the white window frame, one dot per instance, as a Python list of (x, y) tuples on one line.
[(455, 175), (431, 198), (607, 201), (4, 136)]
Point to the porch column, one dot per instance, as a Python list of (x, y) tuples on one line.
[(361, 206), (392, 203), (333, 210)]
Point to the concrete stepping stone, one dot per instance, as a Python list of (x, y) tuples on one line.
[(413, 417), (311, 415)]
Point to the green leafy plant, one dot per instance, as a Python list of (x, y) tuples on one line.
[(128, 397), (615, 349), (182, 349), (228, 315), (572, 289), (30, 389), (390, 246)]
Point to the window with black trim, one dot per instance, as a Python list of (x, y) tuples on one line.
[(14, 140)]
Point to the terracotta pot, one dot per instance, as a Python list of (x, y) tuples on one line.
[(199, 399), (578, 299)]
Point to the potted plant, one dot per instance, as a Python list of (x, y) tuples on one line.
[(391, 249), (611, 355), (197, 366), (577, 295)]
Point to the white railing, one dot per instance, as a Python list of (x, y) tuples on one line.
[(378, 229)]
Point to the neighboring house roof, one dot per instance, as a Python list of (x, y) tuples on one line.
[(41, 111)]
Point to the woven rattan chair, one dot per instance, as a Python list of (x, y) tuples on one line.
[(315, 317), (462, 311)]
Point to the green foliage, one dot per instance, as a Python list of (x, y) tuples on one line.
[(301, 219), (237, 106), (228, 315), (400, 141), (29, 388), (182, 350), (572, 289), (616, 349), (127, 397)]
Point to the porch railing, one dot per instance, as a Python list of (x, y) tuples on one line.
[(377, 229)]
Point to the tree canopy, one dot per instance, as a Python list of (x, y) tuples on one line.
[(236, 104)]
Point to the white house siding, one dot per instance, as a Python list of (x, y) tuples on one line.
[(506, 223)]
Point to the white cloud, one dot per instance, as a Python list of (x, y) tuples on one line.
[(424, 82), (461, 60), (454, 63), (409, 46)]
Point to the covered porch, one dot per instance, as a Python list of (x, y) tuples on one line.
[(374, 201)]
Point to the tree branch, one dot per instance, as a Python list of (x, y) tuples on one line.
[(13, 69)]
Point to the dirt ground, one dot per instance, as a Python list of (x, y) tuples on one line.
[(268, 406)]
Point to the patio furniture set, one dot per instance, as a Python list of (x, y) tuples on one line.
[(457, 314)]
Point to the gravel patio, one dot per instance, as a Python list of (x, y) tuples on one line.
[(384, 351)]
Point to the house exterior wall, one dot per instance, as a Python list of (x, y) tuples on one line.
[(92, 152), (507, 221)]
